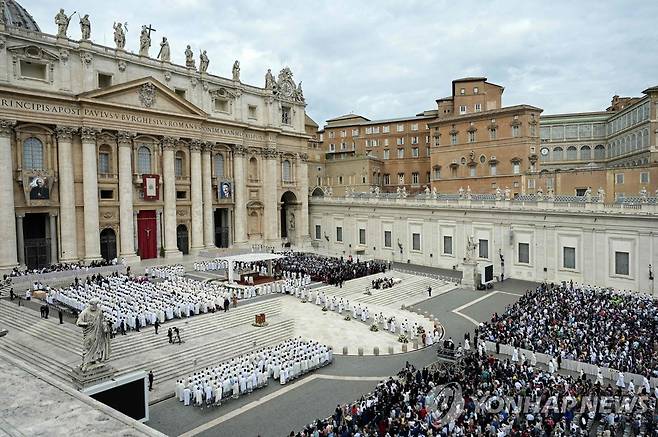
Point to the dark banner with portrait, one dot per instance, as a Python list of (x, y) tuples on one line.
[(39, 189), (224, 190)]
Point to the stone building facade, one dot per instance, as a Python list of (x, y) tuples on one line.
[(106, 153)]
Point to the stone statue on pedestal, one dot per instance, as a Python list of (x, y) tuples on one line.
[(269, 80), (203, 62), (471, 245), (145, 40), (62, 21), (95, 335), (165, 53), (85, 27), (236, 71), (588, 194), (119, 36), (189, 58)]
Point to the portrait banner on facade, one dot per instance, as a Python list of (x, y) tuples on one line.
[(224, 189), (39, 189), (151, 186)]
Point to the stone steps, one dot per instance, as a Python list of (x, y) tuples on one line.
[(358, 286), (183, 362), (50, 366), (403, 292)]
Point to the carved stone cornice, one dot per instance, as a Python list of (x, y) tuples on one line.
[(196, 145), (239, 150), (208, 146), (269, 153), (125, 138), (88, 134), (65, 133), (303, 157), (6, 127), (168, 143)]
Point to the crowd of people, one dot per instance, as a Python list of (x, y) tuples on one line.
[(283, 362), (131, 303), (61, 267), (165, 272), (583, 323), (330, 270), (492, 397), (384, 283)]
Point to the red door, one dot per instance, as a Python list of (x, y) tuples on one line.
[(147, 234)]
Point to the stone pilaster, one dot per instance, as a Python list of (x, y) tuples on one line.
[(52, 222), (270, 197), (239, 191), (7, 218), (169, 177), (20, 240), (302, 227), (126, 224), (68, 220), (197, 196), (90, 190), (206, 175)]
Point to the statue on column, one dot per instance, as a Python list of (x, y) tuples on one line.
[(236, 71), (292, 221), (95, 335), (165, 53), (203, 62), (119, 35), (62, 20), (85, 27), (269, 80), (471, 245), (145, 40), (189, 57)]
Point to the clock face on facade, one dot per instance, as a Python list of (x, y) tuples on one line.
[(544, 151), (286, 89)]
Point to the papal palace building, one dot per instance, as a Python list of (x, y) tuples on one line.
[(107, 153)]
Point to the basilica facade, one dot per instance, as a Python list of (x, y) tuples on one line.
[(105, 153)]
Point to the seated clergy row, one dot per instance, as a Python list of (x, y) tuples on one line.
[(284, 362)]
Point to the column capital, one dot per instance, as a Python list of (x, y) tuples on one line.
[(239, 150), (65, 133), (88, 134), (20, 215), (6, 127), (125, 138), (303, 157), (52, 214), (208, 146), (196, 145), (169, 143), (269, 153)]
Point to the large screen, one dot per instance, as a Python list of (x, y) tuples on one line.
[(127, 398), (486, 273)]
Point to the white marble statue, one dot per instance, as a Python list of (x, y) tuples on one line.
[(499, 193), (62, 21), (461, 192), (588, 194), (404, 192), (165, 53), (471, 245), (427, 191), (119, 35), (204, 61), (434, 193), (95, 335), (189, 58), (236, 71), (145, 40), (85, 27), (508, 193), (468, 192), (643, 193), (269, 80), (601, 194)]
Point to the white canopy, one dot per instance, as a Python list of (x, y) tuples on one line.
[(247, 258)]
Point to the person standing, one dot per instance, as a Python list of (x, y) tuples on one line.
[(151, 380), (61, 316), (46, 311), (156, 325), (429, 291), (170, 334), (11, 294)]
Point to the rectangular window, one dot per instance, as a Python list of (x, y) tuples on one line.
[(515, 131), (644, 177), (483, 248), (355, 132), (107, 194), (368, 130), (621, 263), (253, 112), (332, 147), (387, 238), (375, 129), (400, 128), (493, 133), (386, 129), (472, 171), (387, 179), (447, 244), (415, 241), (343, 133), (478, 107), (332, 134), (386, 141), (493, 169), (400, 141), (104, 163), (285, 115), (400, 153), (428, 151), (414, 178), (178, 167), (531, 184), (475, 90), (524, 253), (401, 178), (318, 232), (386, 153), (414, 140), (569, 257), (462, 109), (619, 178), (33, 70), (362, 236), (339, 233), (437, 173), (221, 105), (414, 152), (516, 168), (471, 137), (181, 195), (414, 126), (453, 138), (105, 81)]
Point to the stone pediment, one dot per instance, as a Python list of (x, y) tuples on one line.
[(146, 94)]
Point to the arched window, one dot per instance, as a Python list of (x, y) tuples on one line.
[(557, 154), (633, 142), (144, 160), (287, 171), (219, 165), (253, 169), (179, 164), (585, 153), (104, 160), (32, 154), (599, 152), (572, 153)]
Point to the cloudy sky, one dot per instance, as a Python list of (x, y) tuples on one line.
[(385, 59)]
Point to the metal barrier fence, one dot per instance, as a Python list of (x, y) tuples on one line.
[(63, 274)]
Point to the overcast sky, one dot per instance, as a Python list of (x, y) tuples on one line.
[(384, 59)]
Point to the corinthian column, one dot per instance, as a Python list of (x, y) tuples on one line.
[(7, 218), (206, 175), (127, 231), (270, 198), (68, 222), (90, 190), (239, 187), (197, 196), (302, 227), (169, 177)]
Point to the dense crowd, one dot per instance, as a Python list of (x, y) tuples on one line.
[(582, 323), (61, 267), (383, 283), (491, 398), (241, 375), (330, 270)]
